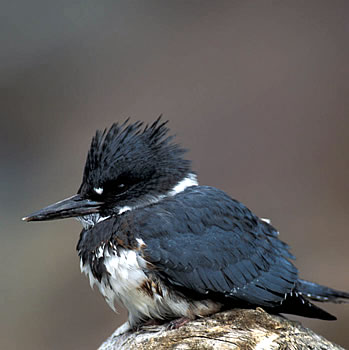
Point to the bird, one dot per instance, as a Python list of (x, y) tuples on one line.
[(171, 250)]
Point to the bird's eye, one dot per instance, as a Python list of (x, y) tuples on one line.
[(114, 187), (121, 187)]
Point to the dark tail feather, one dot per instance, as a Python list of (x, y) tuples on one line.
[(296, 304), (317, 292)]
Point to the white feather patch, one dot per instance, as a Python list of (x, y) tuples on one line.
[(268, 221), (98, 190), (190, 180), (90, 220), (126, 275)]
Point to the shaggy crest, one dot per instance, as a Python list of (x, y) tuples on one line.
[(149, 147)]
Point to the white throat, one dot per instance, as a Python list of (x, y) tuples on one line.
[(90, 220)]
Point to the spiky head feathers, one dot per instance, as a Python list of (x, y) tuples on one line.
[(129, 157)]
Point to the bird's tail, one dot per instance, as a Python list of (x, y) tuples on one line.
[(298, 302), (321, 293)]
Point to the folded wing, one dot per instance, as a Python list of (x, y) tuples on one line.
[(205, 242)]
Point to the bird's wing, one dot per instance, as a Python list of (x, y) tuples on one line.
[(206, 242)]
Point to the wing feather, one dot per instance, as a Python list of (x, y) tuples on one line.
[(204, 241)]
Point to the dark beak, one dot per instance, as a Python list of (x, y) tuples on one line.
[(67, 208)]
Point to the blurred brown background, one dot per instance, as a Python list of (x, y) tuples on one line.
[(257, 90)]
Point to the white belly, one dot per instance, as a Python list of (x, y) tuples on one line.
[(126, 277)]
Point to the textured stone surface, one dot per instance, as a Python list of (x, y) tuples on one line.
[(235, 329)]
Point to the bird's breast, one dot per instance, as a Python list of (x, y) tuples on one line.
[(123, 275), (117, 272)]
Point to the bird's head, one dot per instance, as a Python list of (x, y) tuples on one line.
[(127, 166)]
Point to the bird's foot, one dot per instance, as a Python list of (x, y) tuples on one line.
[(153, 322), (179, 322), (147, 325)]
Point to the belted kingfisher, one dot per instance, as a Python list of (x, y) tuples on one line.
[(170, 249)]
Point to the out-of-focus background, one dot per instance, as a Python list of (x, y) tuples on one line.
[(257, 90)]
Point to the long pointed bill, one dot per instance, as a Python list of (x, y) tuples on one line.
[(67, 208)]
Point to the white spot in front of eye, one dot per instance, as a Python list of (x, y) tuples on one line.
[(98, 190)]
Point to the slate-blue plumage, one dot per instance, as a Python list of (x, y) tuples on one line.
[(166, 247), (207, 245), (219, 246)]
